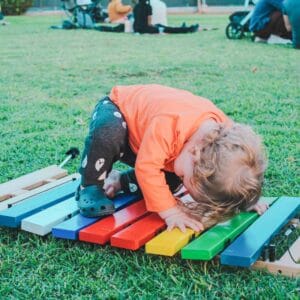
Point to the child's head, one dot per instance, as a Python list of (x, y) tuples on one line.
[(227, 174)]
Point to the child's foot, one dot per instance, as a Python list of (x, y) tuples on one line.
[(92, 202), (112, 184)]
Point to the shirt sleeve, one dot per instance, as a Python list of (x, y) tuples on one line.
[(156, 148)]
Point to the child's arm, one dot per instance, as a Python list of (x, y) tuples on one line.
[(156, 150)]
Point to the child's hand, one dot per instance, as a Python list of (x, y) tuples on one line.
[(174, 217), (259, 207), (112, 184)]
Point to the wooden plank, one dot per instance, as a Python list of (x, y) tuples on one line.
[(27, 194), (214, 240), (136, 235), (246, 249), (42, 222), (13, 216), (285, 265), (17, 193), (101, 231), (30, 181), (70, 228), (168, 243)]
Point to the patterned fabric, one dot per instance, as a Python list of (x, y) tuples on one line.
[(105, 143)]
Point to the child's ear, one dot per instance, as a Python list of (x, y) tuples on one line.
[(195, 152)]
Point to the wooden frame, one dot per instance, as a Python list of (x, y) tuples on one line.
[(285, 265), (30, 181)]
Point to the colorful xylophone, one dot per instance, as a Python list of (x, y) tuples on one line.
[(43, 202)]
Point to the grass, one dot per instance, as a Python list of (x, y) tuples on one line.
[(50, 81)]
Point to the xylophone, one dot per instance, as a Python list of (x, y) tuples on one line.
[(43, 202)]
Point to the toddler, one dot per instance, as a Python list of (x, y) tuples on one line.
[(171, 137)]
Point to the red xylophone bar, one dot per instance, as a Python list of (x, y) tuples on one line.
[(139, 233), (101, 231)]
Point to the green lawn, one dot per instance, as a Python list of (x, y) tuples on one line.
[(50, 81)]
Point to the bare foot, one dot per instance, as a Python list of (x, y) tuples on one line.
[(112, 184)]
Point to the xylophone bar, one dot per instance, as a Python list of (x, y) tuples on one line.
[(12, 201), (213, 241), (136, 235), (246, 249), (101, 231), (42, 223), (30, 181), (70, 228), (168, 243), (12, 217)]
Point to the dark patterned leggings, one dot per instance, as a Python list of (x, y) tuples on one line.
[(106, 143)]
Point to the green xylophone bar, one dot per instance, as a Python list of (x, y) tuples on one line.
[(213, 241)]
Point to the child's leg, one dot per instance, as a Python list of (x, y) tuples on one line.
[(104, 145)]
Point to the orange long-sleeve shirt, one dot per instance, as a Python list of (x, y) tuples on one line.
[(160, 120)]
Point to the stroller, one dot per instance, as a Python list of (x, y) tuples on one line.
[(83, 13), (239, 23)]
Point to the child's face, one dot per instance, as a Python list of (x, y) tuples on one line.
[(186, 179), (184, 166)]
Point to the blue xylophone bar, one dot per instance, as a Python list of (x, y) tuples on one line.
[(13, 216), (246, 249), (70, 228)]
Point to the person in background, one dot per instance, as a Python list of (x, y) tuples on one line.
[(117, 12), (142, 14), (267, 22), (159, 12), (2, 21), (291, 16)]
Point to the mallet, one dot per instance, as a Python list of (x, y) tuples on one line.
[(72, 153)]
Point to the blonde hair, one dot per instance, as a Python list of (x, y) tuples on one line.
[(227, 175)]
